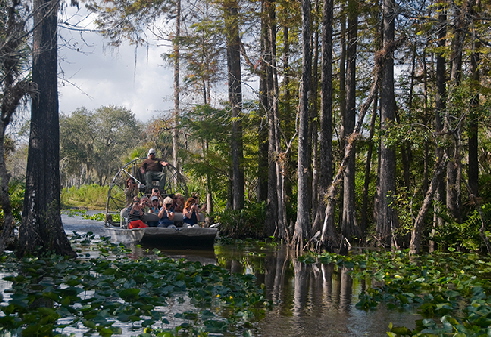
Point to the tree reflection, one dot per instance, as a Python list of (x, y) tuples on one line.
[(309, 299)]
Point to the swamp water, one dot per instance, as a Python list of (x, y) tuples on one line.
[(308, 299), (311, 300)]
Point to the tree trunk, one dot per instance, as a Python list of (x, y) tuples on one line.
[(454, 150), (405, 146), (14, 87), (368, 165), (386, 217), (329, 238), (283, 154), (262, 175), (302, 225), (325, 132), (263, 142), (473, 168), (440, 107), (342, 68), (314, 112), (288, 113), (41, 229), (348, 224), (416, 233), (273, 214), (235, 98), (177, 88), (7, 227)]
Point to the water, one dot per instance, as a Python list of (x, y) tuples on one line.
[(311, 300)]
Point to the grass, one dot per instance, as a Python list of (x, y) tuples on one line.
[(86, 197)]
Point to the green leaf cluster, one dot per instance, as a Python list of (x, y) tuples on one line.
[(92, 143), (157, 296), (452, 292), (245, 223)]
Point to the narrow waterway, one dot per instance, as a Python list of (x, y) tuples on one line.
[(309, 299)]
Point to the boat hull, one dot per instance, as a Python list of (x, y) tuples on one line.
[(185, 238)]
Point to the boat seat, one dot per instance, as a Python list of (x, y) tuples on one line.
[(178, 217)]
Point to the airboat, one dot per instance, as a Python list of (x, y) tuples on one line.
[(117, 199)]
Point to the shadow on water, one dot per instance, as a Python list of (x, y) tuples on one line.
[(204, 256), (308, 299)]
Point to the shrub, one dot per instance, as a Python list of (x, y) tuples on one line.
[(88, 196), (464, 236), (16, 193), (245, 223)]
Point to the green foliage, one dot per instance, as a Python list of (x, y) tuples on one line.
[(466, 235), (407, 208), (16, 194), (92, 142), (451, 291), (158, 296), (91, 196), (207, 156), (245, 223)]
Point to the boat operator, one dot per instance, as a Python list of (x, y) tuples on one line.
[(152, 169)]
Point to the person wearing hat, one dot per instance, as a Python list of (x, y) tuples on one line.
[(156, 193), (152, 169), (152, 216), (166, 214)]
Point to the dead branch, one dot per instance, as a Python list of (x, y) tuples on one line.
[(415, 243)]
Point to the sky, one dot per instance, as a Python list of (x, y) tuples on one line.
[(98, 75)]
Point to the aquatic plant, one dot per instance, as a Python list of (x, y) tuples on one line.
[(150, 296), (451, 291)]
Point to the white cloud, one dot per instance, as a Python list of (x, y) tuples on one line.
[(96, 75)]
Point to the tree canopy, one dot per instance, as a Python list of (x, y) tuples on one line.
[(370, 122)]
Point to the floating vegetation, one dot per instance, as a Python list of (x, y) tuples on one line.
[(99, 216), (451, 291), (149, 296)]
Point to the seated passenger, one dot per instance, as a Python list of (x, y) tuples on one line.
[(131, 190), (153, 211), (156, 193), (190, 213), (166, 215), (135, 215), (145, 203), (124, 214), (178, 203)]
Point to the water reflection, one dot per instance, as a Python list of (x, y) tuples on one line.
[(309, 299), (204, 256)]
